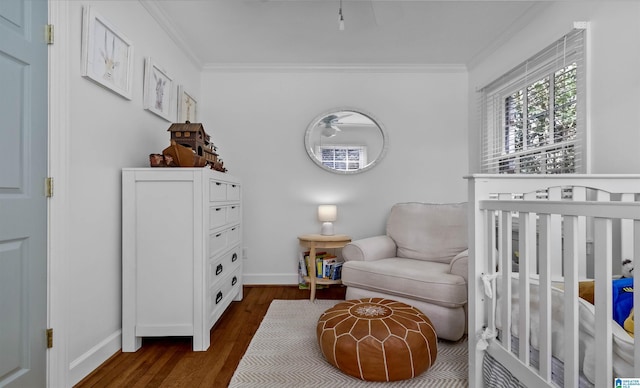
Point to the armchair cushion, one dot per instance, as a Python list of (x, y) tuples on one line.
[(415, 279), (433, 232)]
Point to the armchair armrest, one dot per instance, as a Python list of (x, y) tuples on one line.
[(372, 248), (459, 264)]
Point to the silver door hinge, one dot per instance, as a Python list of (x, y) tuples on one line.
[(49, 338), (48, 187), (48, 34)]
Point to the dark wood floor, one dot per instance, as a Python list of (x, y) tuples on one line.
[(169, 362)]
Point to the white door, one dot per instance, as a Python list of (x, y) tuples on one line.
[(23, 206)]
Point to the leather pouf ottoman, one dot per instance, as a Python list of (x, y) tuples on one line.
[(377, 339)]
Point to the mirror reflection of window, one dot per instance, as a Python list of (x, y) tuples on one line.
[(345, 141), (343, 157)]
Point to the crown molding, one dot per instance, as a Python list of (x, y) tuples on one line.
[(167, 25), (333, 68)]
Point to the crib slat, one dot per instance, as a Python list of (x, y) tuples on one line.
[(506, 249), (545, 295), (491, 259), (580, 194), (531, 220), (526, 244), (571, 301), (626, 232), (555, 225), (636, 298), (603, 301)]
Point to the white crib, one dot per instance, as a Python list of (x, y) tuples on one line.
[(562, 223)]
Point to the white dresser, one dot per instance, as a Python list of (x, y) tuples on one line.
[(181, 252)]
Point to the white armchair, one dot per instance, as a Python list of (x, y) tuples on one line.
[(421, 261)]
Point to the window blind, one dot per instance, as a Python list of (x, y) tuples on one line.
[(533, 117)]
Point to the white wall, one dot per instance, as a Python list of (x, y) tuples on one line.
[(258, 120), (106, 132), (613, 77)]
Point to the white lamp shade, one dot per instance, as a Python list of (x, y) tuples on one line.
[(327, 213)]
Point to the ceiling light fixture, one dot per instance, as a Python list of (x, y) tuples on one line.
[(340, 18)]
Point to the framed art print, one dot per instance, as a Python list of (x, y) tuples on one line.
[(157, 90), (107, 54), (187, 106)]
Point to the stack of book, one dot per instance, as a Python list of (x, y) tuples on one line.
[(326, 266)]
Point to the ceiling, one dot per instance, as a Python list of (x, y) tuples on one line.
[(219, 33)]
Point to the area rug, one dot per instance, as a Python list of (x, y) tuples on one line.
[(284, 353)]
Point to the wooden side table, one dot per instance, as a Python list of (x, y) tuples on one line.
[(313, 242)]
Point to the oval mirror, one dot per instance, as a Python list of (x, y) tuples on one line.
[(345, 141)]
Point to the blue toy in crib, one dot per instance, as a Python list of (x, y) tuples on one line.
[(622, 299)]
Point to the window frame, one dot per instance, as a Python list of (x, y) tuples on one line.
[(565, 156)]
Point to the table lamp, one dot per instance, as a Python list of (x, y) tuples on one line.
[(327, 214)]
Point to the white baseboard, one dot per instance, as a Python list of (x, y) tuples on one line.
[(271, 278), (94, 357)]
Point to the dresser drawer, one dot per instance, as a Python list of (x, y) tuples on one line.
[(222, 191), (234, 235), (222, 266), (217, 191), (222, 240), (218, 216), (233, 192), (233, 214), (220, 293)]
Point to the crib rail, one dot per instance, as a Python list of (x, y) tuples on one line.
[(550, 226)]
